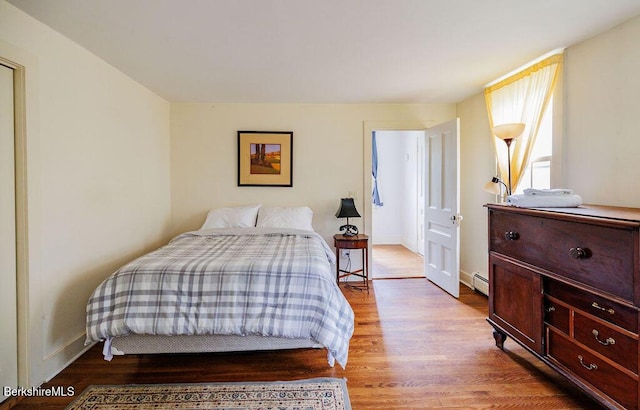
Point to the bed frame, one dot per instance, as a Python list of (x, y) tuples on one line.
[(154, 344)]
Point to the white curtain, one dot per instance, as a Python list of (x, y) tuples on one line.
[(523, 98)]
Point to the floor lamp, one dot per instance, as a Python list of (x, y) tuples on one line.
[(507, 133)]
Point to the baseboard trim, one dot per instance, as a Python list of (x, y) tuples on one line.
[(466, 279), (475, 281), (63, 357)]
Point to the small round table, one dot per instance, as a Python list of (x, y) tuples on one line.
[(353, 242)]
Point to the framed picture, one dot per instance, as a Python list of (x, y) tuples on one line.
[(265, 158)]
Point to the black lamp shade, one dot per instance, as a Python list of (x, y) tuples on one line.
[(347, 209)]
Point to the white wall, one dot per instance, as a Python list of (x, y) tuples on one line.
[(602, 106), (410, 161), (328, 145), (477, 166), (387, 225), (97, 160), (600, 145)]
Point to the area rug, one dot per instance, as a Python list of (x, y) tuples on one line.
[(308, 394)]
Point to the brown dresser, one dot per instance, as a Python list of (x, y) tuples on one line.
[(565, 284)]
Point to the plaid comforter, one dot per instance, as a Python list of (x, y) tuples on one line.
[(249, 281)]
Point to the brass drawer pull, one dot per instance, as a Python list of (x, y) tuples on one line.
[(609, 341), (591, 366), (511, 236), (551, 309), (608, 310)]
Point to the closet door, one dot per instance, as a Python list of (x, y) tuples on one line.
[(8, 309)]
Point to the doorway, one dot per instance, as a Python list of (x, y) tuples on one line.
[(441, 172), (398, 217)]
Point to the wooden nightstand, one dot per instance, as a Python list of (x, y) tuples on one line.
[(353, 242)]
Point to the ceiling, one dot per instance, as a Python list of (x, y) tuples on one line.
[(324, 51)]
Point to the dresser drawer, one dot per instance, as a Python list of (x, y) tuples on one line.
[(596, 255), (620, 315), (619, 347), (595, 371), (556, 315)]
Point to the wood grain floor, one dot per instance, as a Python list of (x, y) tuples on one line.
[(414, 347), (395, 262)]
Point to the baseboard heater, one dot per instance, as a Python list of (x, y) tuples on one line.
[(480, 283)]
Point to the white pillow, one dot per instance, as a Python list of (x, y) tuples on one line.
[(233, 217), (292, 218)]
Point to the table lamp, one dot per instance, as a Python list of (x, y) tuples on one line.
[(348, 210)]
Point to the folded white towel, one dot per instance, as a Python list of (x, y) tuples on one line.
[(544, 201), (556, 191)]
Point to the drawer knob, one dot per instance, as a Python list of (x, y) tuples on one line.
[(511, 236), (591, 366), (609, 341), (579, 253), (604, 309)]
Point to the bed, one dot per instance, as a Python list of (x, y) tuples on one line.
[(241, 282)]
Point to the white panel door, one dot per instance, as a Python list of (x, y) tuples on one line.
[(8, 309), (442, 204)]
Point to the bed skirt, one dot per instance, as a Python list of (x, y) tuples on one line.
[(150, 344)]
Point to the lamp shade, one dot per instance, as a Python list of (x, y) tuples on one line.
[(492, 188), (508, 131), (347, 209)]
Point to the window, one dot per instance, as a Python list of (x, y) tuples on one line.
[(525, 97), (538, 171)]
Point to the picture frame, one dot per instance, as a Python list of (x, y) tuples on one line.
[(265, 158)]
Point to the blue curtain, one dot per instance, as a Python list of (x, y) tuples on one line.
[(374, 171)]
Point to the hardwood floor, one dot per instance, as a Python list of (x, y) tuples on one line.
[(394, 262), (414, 346)]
